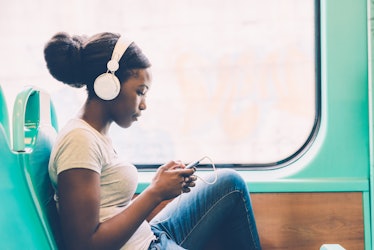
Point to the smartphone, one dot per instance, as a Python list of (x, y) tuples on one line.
[(192, 164)]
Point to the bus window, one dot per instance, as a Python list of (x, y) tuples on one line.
[(235, 82)]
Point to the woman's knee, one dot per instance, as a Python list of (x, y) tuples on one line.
[(231, 177)]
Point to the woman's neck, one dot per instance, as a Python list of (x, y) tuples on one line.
[(93, 112)]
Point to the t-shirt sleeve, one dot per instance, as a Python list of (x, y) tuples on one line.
[(79, 149)]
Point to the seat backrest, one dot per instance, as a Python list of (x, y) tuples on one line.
[(34, 132), (9, 226), (11, 194), (21, 226)]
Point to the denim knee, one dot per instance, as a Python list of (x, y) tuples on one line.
[(231, 178)]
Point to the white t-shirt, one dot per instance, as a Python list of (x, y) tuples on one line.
[(78, 145)]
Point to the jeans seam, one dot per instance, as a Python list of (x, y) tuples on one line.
[(248, 219), (206, 214)]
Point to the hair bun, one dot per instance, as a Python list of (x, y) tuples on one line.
[(62, 54)]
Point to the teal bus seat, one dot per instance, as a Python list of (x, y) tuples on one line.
[(34, 131), (12, 212), (14, 203), (4, 118)]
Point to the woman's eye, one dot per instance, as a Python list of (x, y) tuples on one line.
[(141, 93)]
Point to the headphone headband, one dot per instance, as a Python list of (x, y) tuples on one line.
[(118, 51)]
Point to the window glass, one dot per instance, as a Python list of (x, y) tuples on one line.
[(235, 82)]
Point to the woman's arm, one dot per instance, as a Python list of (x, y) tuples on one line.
[(79, 205)]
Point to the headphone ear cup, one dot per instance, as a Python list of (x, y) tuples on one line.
[(107, 86)]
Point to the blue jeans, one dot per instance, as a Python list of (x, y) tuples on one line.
[(221, 211)]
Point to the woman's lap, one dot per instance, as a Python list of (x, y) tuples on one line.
[(225, 206)]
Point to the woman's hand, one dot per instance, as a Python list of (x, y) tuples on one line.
[(172, 179)]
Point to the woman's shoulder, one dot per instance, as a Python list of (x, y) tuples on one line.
[(78, 127)]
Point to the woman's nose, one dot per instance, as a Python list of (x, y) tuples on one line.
[(142, 105)]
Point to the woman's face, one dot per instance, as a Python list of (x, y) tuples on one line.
[(130, 102)]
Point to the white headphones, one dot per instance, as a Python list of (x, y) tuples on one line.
[(107, 86)]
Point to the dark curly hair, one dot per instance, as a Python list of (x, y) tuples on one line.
[(78, 60)]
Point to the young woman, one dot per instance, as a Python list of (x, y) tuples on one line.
[(94, 188)]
